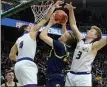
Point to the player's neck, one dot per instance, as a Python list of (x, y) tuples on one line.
[(10, 83), (88, 40)]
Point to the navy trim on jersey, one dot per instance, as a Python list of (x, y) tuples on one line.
[(84, 41), (25, 58), (79, 73), (30, 85)]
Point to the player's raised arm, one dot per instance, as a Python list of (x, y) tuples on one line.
[(64, 29), (100, 44), (73, 21), (44, 34), (46, 18)]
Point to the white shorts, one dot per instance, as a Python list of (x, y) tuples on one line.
[(78, 80), (26, 72)]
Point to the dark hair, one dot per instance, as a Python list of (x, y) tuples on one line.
[(8, 71), (99, 33), (71, 41), (22, 29)]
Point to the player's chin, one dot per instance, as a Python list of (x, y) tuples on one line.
[(59, 39), (87, 36)]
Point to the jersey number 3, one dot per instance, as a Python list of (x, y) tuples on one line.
[(79, 55)]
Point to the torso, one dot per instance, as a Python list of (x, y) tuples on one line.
[(83, 57), (26, 46), (55, 65)]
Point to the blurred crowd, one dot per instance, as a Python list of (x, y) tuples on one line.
[(99, 67)]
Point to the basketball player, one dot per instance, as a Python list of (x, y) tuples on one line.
[(58, 55), (85, 52), (25, 69)]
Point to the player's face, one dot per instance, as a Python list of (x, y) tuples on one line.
[(91, 34), (63, 37), (10, 76), (28, 28)]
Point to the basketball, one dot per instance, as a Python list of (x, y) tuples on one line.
[(60, 16)]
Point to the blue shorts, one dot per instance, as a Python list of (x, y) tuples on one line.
[(55, 80)]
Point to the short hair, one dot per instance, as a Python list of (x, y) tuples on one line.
[(71, 41), (8, 71), (22, 29), (99, 32)]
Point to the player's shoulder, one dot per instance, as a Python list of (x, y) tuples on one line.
[(58, 45), (23, 36), (56, 42)]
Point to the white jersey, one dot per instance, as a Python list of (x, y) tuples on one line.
[(83, 57), (26, 46)]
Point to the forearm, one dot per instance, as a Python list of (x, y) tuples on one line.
[(100, 44), (13, 52), (44, 36), (47, 16), (72, 18), (64, 29), (45, 19), (45, 32), (73, 24)]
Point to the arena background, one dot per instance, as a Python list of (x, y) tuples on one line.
[(88, 13)]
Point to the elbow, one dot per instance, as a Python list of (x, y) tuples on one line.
[(11, 57), (41, 36)]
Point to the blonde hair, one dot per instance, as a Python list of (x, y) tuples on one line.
[(71, 41), (99, 32)]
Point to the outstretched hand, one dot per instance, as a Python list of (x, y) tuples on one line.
[(58, 3), (69, 6)]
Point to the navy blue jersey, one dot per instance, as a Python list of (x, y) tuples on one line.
[(55, 61)]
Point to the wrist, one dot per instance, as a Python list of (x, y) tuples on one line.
[(54, 6), (50, 24), (70, 9), (63, 24)]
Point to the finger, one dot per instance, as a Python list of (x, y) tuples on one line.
[(60, 7), (60, 2), (73, 7), (70, 3), (57, 21), (67, 4)]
